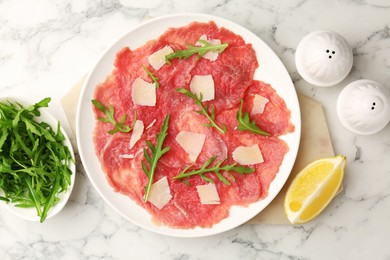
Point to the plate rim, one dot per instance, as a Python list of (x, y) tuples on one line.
[(199, 232)]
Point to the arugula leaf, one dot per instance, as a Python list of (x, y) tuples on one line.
[(155, 154), (244, 123), (204, 110), (110, 118), (33, 195), (150, 74), (33, 158), (31, 127), (35, 108), (51, 200), (3, 138), (217, 169), (199, 50)]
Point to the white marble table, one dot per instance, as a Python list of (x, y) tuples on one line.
[(46, 46)]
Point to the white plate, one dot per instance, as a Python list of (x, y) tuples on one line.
[(271, 70), (31, 213)]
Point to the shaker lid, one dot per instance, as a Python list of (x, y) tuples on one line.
[(323, 58), (363, 107)]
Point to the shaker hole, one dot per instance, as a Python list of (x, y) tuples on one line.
[(327, 51), (330, 57), (333, 52)]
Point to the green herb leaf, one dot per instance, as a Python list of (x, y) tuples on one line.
[(35, 108), (110, 118), (204, 110), (3, 138), (33, 195), (153, 154), (33, 158), (199, 50), (217, 169), (51, 200), (150, 74), (244, 123)]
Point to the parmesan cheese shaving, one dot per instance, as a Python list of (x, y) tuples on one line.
[(208, 194), (210, 55), (137, 132), (151, 124), (259, 103), (191, 142), (248, 155), (157, 59), (143, 93), (160, 193), (127, 156), (203, 84)]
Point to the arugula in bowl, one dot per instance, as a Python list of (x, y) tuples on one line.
[(37, 164)]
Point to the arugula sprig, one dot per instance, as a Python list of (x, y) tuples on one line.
[(217, 169), (109, 112), (244, 123), (199, 50), (34, 162), (155, 154), (204, 110), (152, 76)]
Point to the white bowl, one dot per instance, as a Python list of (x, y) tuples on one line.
[(31, 213)]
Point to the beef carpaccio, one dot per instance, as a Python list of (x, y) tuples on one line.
[(232, 75)]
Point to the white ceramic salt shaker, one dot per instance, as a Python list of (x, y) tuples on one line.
[(363, 107), (323, 58)]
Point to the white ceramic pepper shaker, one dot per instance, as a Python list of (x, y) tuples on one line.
[(363, 107), (323, 58)]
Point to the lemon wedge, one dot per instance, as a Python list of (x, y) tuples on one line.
[(313, 189)]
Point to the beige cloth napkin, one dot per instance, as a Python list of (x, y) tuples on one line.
[(315, 143)]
